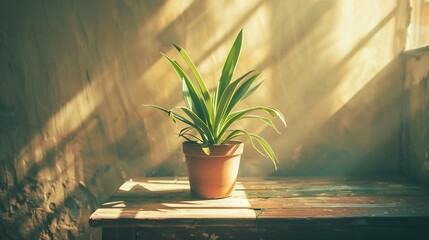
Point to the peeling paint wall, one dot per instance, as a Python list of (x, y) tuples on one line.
[(416, 115), (73, 74)]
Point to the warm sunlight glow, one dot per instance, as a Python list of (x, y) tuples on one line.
[(156, 22), (183, 207), (357, 77), (191, 213), (66, 121), (114, 204), (360, 63), (154, 186)]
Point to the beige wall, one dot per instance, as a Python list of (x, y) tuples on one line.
[(73, 74), (339, 84)]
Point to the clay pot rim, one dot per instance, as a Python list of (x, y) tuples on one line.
[(232, 148), (229, 143)]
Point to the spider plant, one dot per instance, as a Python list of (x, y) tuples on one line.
[(213, 115)]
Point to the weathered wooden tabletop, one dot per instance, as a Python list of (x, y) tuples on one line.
[(268, 209)]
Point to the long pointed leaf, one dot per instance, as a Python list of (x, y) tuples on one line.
[(227, 96), (237, 133), (223, 105), (267, 148), (267, 121), (235, 116), (241, 92), (262, 142), (272, 111), (187, 96), (229, 66), (199, 124), (202, 86), (200, 109), (251, 90), (185, 130), (176, 116), (184, 133)]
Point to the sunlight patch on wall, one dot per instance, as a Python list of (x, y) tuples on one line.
[(358, 64), (169, 12), (358, 77), (159, 84), (324, 59), (257, 49), (352, 28), (59, 127)]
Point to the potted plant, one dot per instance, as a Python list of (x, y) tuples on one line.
[(212, 155)]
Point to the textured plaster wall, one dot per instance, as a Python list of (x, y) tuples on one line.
[(339, 80), (416, 115), (73, 74)]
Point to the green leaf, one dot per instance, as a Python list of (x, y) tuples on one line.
[(272, 111), (214, 97), (202, 86), (267, 148), (229, 66), (187, 96), (197, 101), (206, 150), (262, 142), (267, 121), (241, 92), (185, 130), (175, 115), (184, 133), (237, 133), (200, 125), (235, 116), (227, 96), (186, 138), (171, 116), (251, 90), (202, 132)]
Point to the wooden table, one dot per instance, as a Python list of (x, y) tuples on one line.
[(279, 208)]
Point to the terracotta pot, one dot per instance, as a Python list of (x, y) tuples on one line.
[(213, 175)]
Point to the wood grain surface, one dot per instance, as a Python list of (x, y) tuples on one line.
[(268, 209)]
